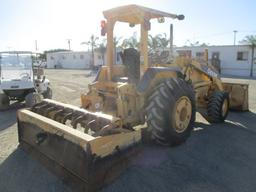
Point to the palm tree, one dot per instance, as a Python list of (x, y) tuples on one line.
[(116, 41), (163, 41), (251, 41), (157, 48), (92, 44), (158, 41), (131, 42), (153, 42), (102, 49)]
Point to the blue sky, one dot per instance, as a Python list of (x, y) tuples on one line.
[(52, 22)]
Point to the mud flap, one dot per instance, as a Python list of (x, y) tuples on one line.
[(238, 96), (70, 155)]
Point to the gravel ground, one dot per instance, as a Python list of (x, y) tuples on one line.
[(215, 158)]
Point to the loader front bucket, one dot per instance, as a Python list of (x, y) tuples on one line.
[(84, 162), (238, 96)]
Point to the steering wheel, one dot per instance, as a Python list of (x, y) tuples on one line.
[(24, 75)]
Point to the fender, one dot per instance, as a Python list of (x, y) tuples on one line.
[(154, 75)]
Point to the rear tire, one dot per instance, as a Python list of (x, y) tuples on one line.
[(48, 93), (171, 112), (32, 98), (4, 101), (218, 105)]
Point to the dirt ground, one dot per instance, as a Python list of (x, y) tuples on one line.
[(219, 157)]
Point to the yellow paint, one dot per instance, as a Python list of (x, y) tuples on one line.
[(54, 127), (103, 146)]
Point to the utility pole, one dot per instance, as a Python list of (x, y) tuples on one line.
[(171, 42), (69, 47), (235, 31), (36, 45)]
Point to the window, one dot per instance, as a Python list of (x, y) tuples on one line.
[(52, 58), (184, 53), (199, 54), (215, 55), (242, 56), (81, 56)]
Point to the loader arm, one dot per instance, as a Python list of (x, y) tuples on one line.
[(206, 79)]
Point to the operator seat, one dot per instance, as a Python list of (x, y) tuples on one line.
[(131, 61)]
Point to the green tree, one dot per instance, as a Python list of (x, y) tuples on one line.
[(251, 41), (55, 50), (158, 41), (163, 41), (116, 41), (92, 43), (158, 45), (152, 42), (42, 56), (131, 42), (102, 47)]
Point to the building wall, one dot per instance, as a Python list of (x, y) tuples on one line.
[(234, 60), (77, 60), (68, 60), (103, 61)]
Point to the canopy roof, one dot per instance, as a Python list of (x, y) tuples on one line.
[(136, 14)]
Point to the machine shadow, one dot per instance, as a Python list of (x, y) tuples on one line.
[(8, 117), (243, 120), (153, 155), (211, 158), (219, 148), (19, 168)]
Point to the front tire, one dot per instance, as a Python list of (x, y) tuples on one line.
[(218, 105), (32, 98), (171, 112), (48, 93), (4, 101)]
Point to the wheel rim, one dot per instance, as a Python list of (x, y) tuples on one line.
[(182, 114), (224, 108)]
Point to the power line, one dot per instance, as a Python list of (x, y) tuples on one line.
[(196, 38), (220, 34)]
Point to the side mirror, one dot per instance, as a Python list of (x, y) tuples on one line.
[(103, 25), (131, 25), (103, 31), (160, 19), (180, 17)]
